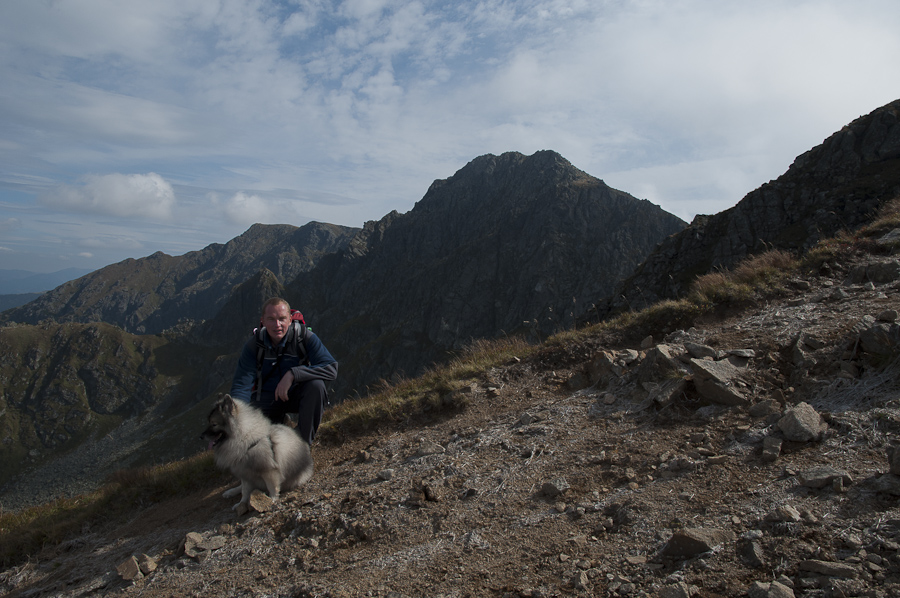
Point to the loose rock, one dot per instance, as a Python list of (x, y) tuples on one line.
[(692, 542), (802, 423), (820, 477), (129, 570), (829, 569)]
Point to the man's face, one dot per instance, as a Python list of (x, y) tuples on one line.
[(277, 320)]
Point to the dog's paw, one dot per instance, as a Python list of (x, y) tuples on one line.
[(231, 492)]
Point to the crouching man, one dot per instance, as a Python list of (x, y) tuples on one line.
[(283, 369)]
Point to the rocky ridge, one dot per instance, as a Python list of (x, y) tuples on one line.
[(751, 454), (835, 186)]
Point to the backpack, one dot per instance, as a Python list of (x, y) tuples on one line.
[(296, 345)]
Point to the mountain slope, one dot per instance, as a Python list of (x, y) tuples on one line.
[(539, 488), (837, 185), (64, 384)]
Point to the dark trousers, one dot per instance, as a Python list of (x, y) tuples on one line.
[(307, 400)]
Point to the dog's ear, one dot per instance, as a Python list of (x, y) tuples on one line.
[(226, 405)]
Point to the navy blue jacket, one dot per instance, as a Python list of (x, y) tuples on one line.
[(322, 366)]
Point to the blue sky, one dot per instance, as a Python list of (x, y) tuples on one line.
[(130, 127)]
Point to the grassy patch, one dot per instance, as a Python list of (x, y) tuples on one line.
[(757, 276), (435, 393), (26, 532)]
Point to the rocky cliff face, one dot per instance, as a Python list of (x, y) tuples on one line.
[(834, 186), (509, 244), (149, 295)]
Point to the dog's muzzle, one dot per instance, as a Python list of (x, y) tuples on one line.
[(213, 439)]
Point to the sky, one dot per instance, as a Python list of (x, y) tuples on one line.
[(129, 127)]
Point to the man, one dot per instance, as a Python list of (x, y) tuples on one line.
[(285, 381)]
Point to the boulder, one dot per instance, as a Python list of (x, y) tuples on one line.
[(829, 569), (715, 382), (660, 363), (555, 487), (129, 570), (771, 448), (881, 338), (147, 564), (699, 351), (878, 272), (820, 477), (802, 423), (691, 542), (678, 590), (770, 590)]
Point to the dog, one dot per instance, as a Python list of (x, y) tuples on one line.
[(262, 455)]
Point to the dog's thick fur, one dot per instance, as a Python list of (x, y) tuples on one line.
[(262, 455)]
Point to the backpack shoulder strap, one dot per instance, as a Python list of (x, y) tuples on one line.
[(298, 341), (259, 335)]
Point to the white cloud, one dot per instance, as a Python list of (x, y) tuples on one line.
[(124, 195), (244, 209), (291, 110), (110, 241), (279, 206), (7, 224)]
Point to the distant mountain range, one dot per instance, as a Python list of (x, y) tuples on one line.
[(149, 295), (510, 244), (16, 282), (18, 287)]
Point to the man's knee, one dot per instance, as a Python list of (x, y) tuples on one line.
[(314, 389)]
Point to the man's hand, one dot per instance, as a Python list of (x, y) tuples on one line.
[(281, 391)]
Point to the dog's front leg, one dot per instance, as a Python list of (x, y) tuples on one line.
[(273, 484), (246, 490), (232, 491)]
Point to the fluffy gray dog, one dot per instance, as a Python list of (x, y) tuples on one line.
[(262, 455)]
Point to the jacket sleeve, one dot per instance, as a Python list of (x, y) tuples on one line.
[(322, 366), (245, 373)]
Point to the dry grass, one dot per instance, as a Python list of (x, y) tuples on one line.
[(888, 219), (26, 532), (828, 251), (756, 276), (436, 393)]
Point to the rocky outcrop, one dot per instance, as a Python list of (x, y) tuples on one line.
[(837, 185)]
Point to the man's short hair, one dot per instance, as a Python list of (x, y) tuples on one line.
[(275, 301)]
